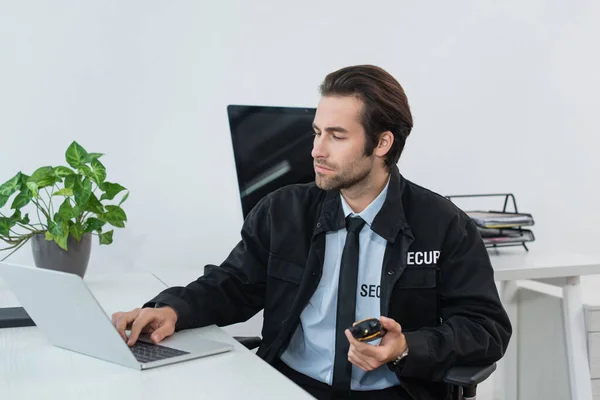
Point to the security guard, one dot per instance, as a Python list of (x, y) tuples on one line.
[(360, 242)]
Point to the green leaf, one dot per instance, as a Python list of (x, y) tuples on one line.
[(111, 189), (44, 177), (22, 199), (115, 216), (58, 219), (76, 155), (3, 200), (94, 205), (23, 181), (66, 210), (71, 180), (93, 156), (9, 187), (77, 211), (55, 229), (76, 230), (61, 241), (93, 224), (85, 171), (48, 235), (16, 217), (82, 191), (107, 237), (124, 198), (64, 192), (98, 172), (5, 225), (34, 189), (59, 233), (62, 172)]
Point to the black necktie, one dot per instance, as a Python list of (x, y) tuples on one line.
[(346, 304)]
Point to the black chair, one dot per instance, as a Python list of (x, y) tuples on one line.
[(464, 380)]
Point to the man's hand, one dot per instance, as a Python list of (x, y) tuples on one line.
[(369, 357), (159, 322)]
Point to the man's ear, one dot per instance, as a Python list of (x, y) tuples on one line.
[(386, 140)]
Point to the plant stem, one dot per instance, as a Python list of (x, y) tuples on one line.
[(37, 210), (16, 247), (30, 228), (50, 205), (10, 240), (47, 213), (33, 225), (40, 208)]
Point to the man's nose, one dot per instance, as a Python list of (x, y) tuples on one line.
[(319, 150)]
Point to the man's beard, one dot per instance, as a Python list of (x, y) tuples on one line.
[(343, 180)]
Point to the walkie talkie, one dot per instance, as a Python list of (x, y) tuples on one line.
[(368, 330)]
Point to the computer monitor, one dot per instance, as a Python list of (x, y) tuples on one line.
[(272, 148)]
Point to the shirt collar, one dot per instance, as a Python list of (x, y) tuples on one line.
[(389, 222), (369, 213)]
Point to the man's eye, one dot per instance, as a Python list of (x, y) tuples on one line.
[(316, 133)]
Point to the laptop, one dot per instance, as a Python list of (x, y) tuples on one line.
[(68, 314)]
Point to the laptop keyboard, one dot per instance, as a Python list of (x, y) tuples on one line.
[(147, 352)]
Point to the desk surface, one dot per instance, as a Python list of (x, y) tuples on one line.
[(515, 263), (30, 368)]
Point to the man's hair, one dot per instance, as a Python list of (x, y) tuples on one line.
[(385, 106)]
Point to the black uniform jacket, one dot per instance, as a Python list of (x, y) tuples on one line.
[(437, 281)]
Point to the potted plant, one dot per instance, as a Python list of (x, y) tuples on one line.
[(71, 204)]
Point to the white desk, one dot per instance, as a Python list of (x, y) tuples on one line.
[(553, 274), (30, 368)]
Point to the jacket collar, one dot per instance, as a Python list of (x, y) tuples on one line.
[(387, 223)]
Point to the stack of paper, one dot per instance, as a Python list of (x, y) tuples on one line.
[(501, 228), (490, 219), (503, 236)]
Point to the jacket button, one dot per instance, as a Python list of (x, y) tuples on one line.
[(318, 224), (390, 272)]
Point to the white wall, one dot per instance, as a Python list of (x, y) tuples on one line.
[(504, 96)]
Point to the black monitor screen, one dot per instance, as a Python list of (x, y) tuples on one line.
[(271, 147)]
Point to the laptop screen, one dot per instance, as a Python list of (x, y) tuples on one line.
[(272, 148)]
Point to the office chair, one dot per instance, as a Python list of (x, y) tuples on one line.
[(464, 380)]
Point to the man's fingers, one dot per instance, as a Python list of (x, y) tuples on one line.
[(115, 317), (162, 332), (144, 318), (123, 321), (361, 361), (356, 360), (363, 348), (352, 339), (390, 325)]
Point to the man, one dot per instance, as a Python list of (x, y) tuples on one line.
[(361, 242)]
